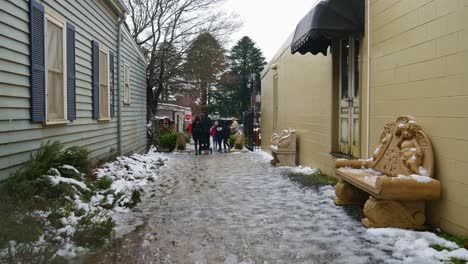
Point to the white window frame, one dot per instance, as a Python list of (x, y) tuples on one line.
[(105, 50), (60, 22), (127, 71)]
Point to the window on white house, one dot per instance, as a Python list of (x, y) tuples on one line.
[(56, 93), (104, 107), (126, 84)]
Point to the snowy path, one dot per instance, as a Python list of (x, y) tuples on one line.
[(236, 208)]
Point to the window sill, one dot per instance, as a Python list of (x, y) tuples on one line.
[(57, 122), (104, 119), (127, 103), (342, 156)]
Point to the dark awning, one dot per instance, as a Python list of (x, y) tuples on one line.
[(327, 20)]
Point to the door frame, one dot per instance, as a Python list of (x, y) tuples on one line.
[(352, 149)]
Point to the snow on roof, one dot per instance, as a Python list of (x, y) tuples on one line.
[(167, 106)]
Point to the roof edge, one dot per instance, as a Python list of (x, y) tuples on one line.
[(118, 6)]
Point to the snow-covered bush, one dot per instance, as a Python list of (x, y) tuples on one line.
[(53, 207)]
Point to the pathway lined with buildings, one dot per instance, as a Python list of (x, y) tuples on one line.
[(236, 208)]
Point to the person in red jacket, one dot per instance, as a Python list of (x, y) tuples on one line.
[(213, 142), (189, 128)]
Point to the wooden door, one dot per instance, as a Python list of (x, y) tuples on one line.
[(349, 97)]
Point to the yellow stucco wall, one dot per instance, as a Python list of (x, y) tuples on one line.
[(304, 95), (419, 66)]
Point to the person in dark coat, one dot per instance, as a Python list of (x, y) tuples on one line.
[(205, 123), (196, 134), (226, 135), (219, 135)]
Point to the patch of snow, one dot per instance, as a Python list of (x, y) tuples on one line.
[(359, 171), (371, 179), (418, 178), (376, 151), (423, 171), (68, 167), (265, 155), (59, 179), (328, 191), (302, 170), (460, 253), (414, 247), (372, 171)]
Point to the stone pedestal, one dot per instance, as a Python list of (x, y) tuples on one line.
[(391, 213), (283, 148), (284, 158), (347, 194)]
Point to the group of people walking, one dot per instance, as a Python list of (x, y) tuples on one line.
[(209, 136)]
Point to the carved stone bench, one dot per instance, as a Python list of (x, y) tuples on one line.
[(283, 148), (396, 182)]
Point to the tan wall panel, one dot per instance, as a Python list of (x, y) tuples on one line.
[(304, 103), (419, 64)]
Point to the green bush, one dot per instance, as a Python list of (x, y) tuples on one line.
[(24, 230), (136, 198), (77, 157), (231, 141), (168, 140), (103, 183), (40, 162), (91, 232)]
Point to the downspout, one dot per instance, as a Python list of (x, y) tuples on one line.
[(368, 77), (119, 87)]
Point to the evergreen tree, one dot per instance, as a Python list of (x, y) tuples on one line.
[(204, 64), (246, 62)]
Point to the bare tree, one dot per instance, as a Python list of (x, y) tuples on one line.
[(165, 29)]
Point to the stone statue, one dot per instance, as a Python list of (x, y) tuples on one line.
[(239, 140), (283, 148), (411, 153), (274, 139), (287, 140)]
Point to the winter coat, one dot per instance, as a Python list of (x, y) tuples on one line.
[(226, 131), (196, 130), (213, 131), (189, 128), (205, 123), (219, 132)]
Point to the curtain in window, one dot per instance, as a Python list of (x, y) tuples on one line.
[(55, 89)]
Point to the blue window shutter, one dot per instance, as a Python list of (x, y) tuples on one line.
[(37, 61), (112, 84), (95, 78), (71, 73)]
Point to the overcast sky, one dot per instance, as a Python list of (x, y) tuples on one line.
[(268, 22)]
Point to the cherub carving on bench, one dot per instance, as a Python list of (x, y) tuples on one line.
[(396, 182), (410, 151)]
